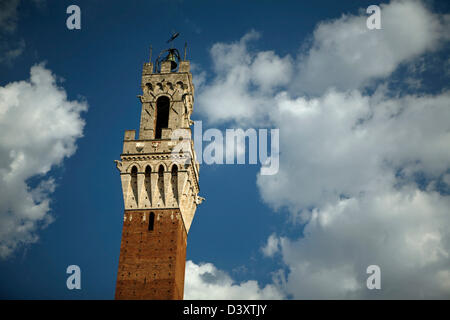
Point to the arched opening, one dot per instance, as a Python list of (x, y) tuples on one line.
[(174, 181), (134, 182), (161, 182), (151, 221), (148, 171), (162, 115), (147, 182)]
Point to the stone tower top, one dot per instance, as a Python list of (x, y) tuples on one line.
[(162, 178), (168, 96)]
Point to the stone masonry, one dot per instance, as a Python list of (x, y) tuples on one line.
[(160, 188)]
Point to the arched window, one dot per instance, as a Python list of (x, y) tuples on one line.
[(174, 181), (134, 182), (151, 221), (148, 171), (161, 182), (147, 182), (162, 115)]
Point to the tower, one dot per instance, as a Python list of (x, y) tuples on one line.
[(159, 183)]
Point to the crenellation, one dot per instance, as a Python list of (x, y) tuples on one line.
[(147, 68), (129, 135)]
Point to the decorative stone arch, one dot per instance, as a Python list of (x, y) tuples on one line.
[(147, 164), (163, 94), (159, 164), (171, 167), (130, 167)]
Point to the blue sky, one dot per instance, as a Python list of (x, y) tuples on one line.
[(344, 198)]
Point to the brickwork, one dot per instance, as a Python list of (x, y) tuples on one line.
[(152, 262)]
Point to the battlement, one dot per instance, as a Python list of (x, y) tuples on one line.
[(129, 135)]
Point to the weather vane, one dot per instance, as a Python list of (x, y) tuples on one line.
[(173, 55), (174, 35)]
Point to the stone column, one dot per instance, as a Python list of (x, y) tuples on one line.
[(126, 187), (154, 186)]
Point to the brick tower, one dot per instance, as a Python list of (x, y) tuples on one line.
[(159, 183)]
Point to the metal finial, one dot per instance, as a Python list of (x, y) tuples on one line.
[(151, 49), (185, 48)]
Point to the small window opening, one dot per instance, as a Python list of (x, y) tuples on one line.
[(151, 221)]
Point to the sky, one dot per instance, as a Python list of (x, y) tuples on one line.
[(364, 136)]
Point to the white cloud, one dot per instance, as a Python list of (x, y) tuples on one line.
[(350, 162), (268, 71), (345, 54), (446, 179), (354, 159), (204, 281), (405, 232), (39, 129), (227, 97), (272, 246), (344, 144)]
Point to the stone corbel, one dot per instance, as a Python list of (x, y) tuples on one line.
[(118, 165)]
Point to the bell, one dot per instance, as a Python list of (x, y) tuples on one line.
[(173, 62)]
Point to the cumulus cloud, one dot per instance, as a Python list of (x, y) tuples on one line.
[(204, 281), (358, 164), (236, 70), (404, 231), (344, 144), (364, 174), (40, 127), (345, 54)]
